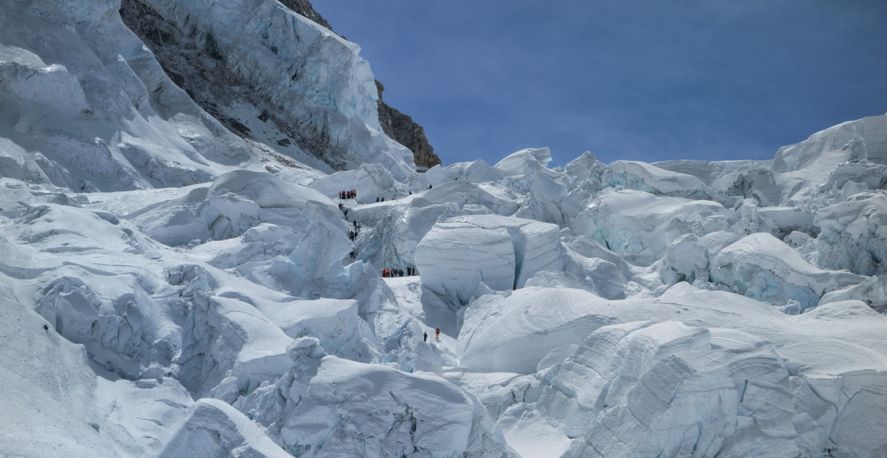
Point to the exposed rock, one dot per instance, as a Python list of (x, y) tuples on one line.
[(304, 8), (407, 132)]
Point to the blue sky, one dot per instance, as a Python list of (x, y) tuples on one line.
[(628, 79)]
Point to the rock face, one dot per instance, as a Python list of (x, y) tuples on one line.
[(407, 132)]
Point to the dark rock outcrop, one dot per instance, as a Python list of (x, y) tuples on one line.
[(407, 132), (304, 8)]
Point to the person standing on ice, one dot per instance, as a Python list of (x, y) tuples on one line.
[(437, 334), (425, 336)]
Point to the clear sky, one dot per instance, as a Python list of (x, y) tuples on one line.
[(626, 79)]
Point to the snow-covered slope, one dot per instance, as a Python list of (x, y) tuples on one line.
[(86, 107), (281, 80), (170, 288)]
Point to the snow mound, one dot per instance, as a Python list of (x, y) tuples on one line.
[(464, 194), (686, 259), (687, 390), (327, 406), (461, 252), (524, 161), (514, 334), (214, 428), (762, 267), (803, 167), (474, 172), (872, 291), (335, 322), (639, 226), (852, 234), (649, 178), (227, 339)]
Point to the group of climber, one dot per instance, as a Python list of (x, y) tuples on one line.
[(353, 233), (436, 335), (349, 194), (409, 272)]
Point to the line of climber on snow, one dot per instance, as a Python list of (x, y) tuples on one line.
[(436, 335), (353, 233), (349, 194), (390, 273)]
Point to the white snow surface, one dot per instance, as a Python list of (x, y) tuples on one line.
[(168, 288), (460, 253)]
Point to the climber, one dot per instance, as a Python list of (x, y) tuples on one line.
[(437, 334), (425, 336), (429, 186), (384, 273), (46, 327)]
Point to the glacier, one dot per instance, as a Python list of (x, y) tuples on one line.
[(176, 280)]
